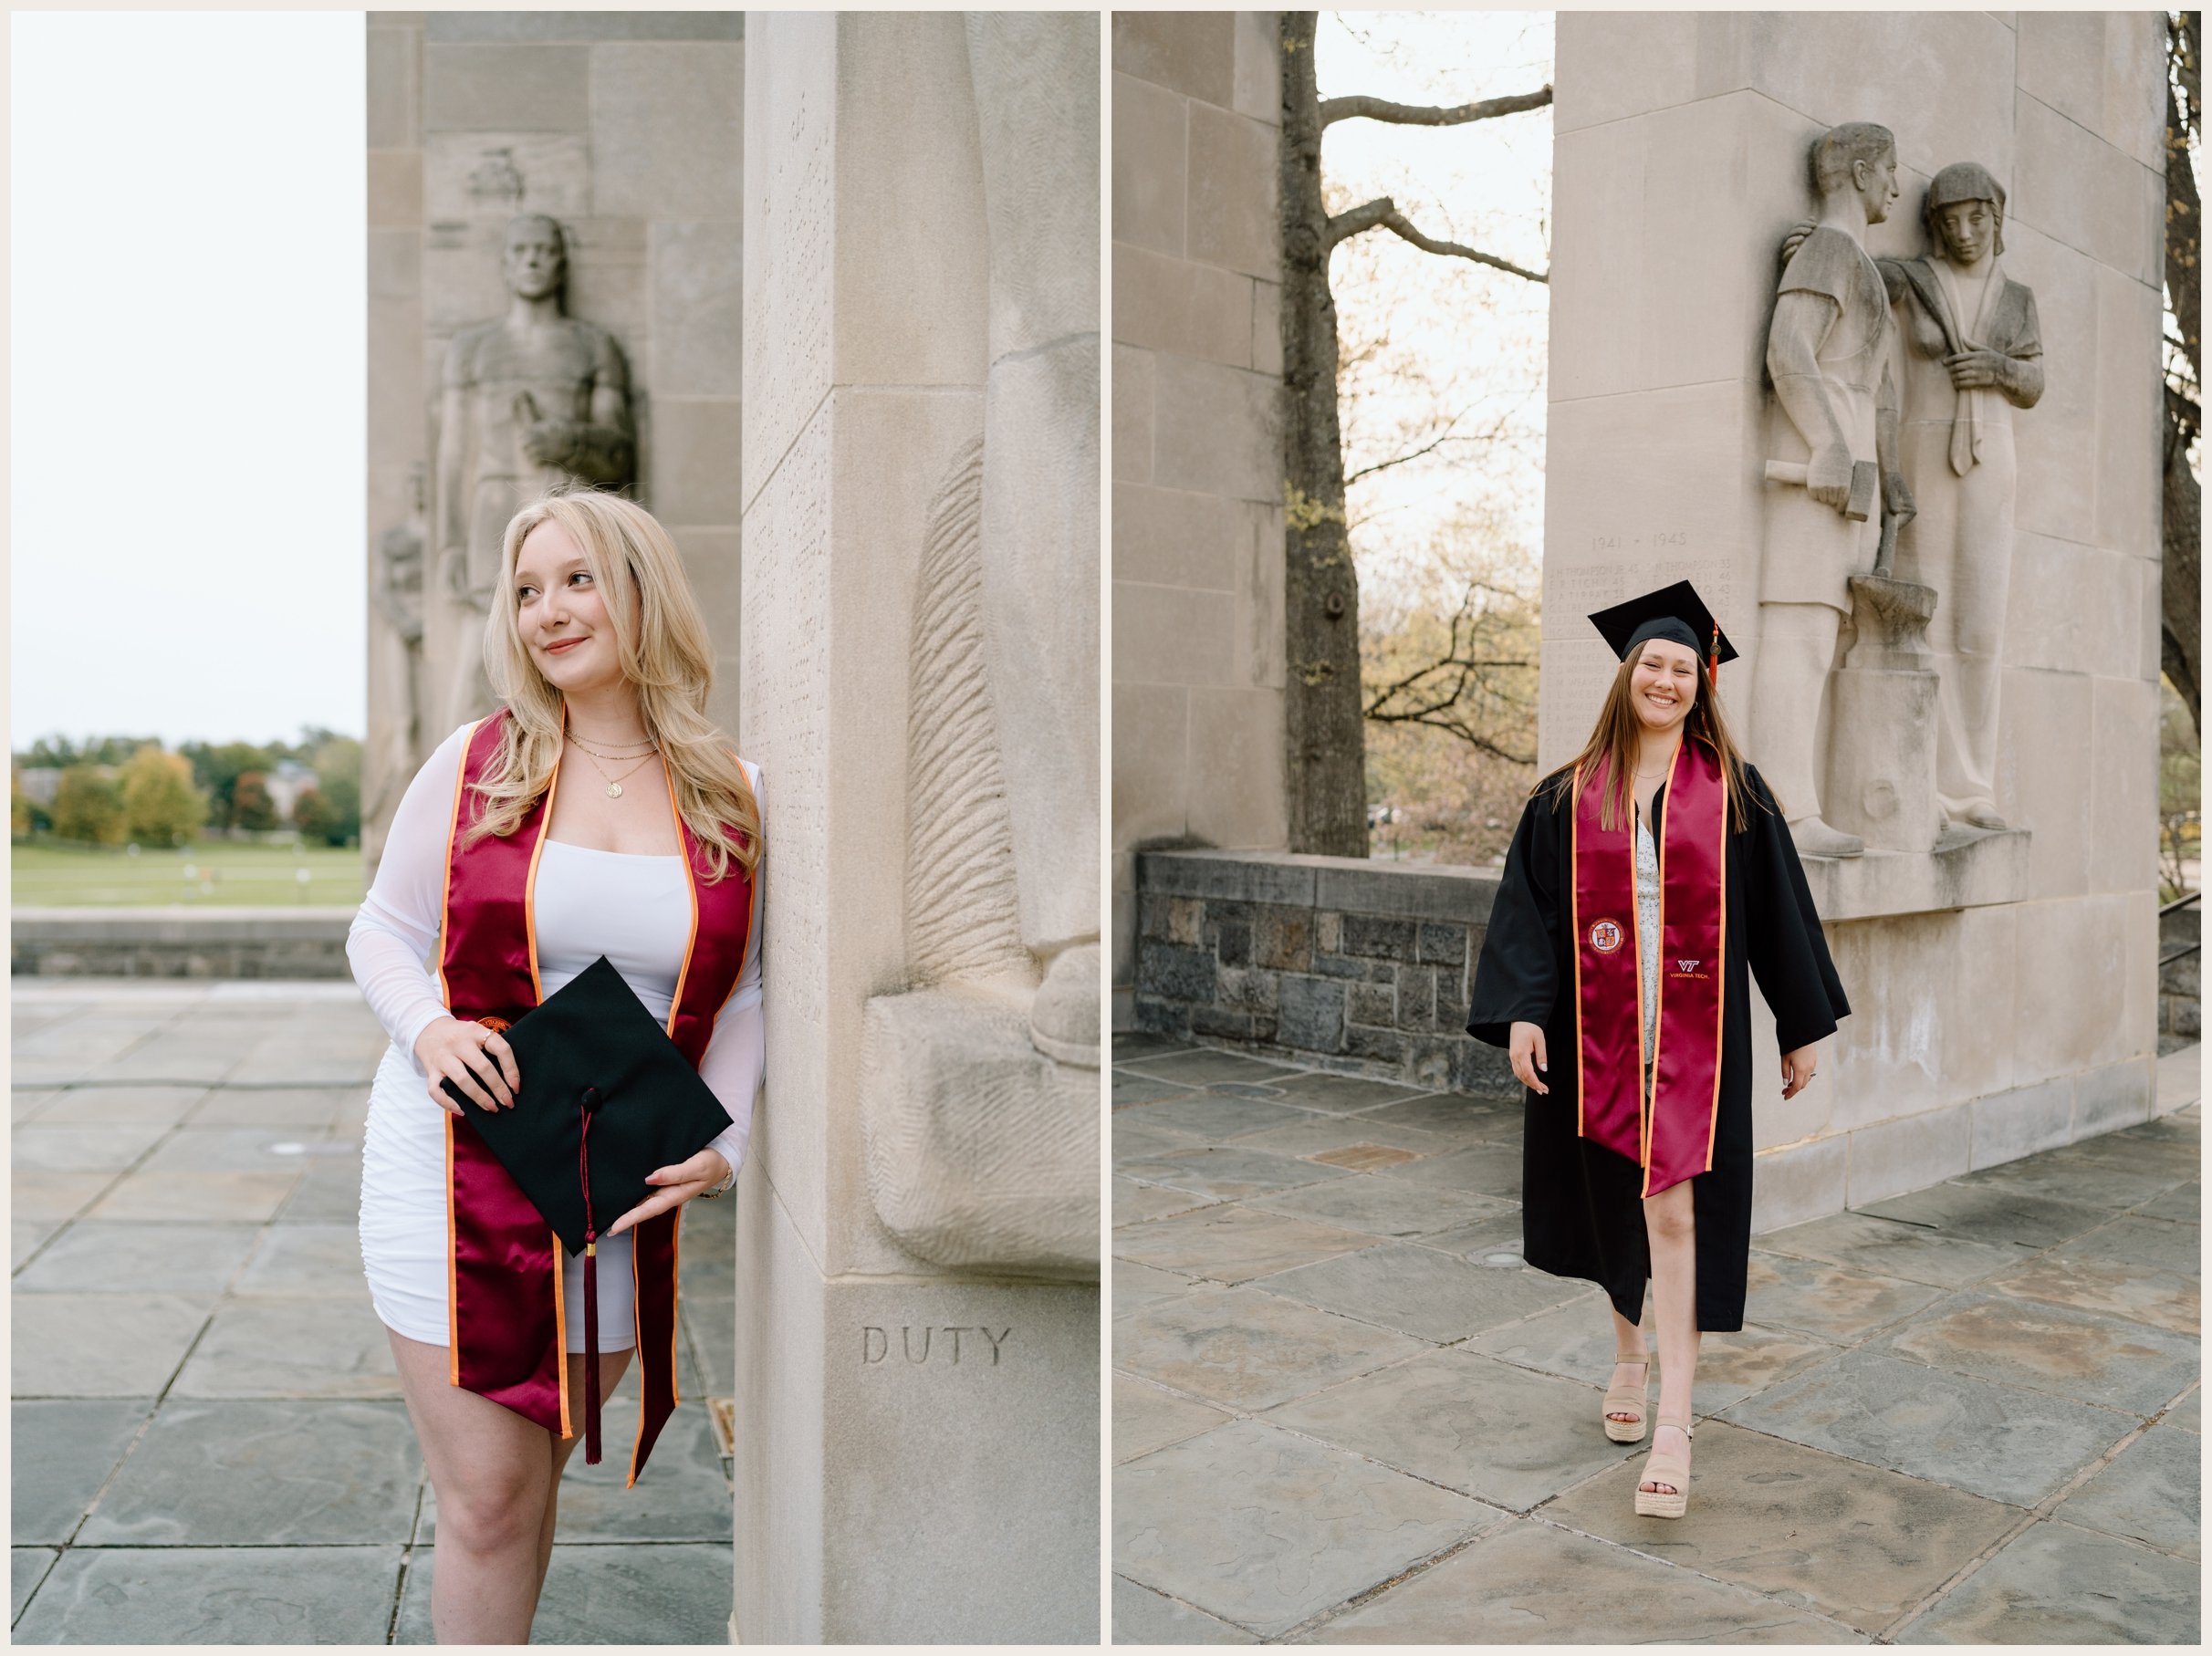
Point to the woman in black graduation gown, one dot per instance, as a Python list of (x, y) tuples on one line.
[(1598, 929)]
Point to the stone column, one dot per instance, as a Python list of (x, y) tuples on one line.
[(916, 1442), (1197, 445), (399, 435), (1680, 163)]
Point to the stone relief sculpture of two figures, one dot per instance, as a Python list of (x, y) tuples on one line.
[(1973, 353), (1900, 515), (535, 399)]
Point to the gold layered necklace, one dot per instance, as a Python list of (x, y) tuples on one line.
[(614, 783)]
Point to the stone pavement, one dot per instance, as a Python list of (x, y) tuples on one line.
[(1345, 1411), (209, 1444)]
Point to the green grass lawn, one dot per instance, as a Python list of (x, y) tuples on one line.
[(218, 873)]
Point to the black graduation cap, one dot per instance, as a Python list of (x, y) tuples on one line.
[(1675, 613), (605, 1098), (597, 1070)]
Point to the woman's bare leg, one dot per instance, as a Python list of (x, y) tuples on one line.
[(492, 1478), (612, 1365), (1670, 1219), (1627, 1337)]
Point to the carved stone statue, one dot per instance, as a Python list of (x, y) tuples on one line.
[(530, 400), (1973, 353), (979, 1081), (1828, 354), (395, 638)]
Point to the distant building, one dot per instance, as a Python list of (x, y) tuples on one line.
[(285, 784), (40, 784)]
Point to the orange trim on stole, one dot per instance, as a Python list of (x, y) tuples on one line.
[(529, 934), (675, 1304), (1574, 923), (453, 830), (445, 908), (453, 1269), (529, 887), (560, 1329), (1648, 1094), (637, 1335), (691, 889), (1720, 1020)]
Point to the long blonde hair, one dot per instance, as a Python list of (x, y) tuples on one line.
[(661, 643), (1617, 742)]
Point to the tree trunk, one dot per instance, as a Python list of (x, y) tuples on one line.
[(1325, 737), (2180, 578)]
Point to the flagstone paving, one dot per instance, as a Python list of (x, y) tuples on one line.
[(209, 1444), (1346, 1411)]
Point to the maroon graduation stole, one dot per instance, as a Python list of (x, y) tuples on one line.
[(507, 1334), (1664, 1119)]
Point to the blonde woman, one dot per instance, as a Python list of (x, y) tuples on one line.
[(1647, 876), (597, 812)]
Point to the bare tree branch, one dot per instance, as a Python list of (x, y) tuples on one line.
[(1435, 692), (1383, 214), (1422, 115), (1449, 434), (2185, 415), (1429, 447), (1353, 220)]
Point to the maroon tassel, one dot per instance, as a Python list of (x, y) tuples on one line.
[(591, 1353), (591, 1392)]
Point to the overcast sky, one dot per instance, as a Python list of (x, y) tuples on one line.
[(1480, 335), (187, 268), (187, 426)]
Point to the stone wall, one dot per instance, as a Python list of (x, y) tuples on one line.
[(627, 127), (1997, 1009), (1330, 960), (190, 943), (1198, 473)]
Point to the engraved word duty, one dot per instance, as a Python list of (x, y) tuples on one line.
[(918, 1345)]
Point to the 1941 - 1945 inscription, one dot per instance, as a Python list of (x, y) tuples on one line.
[(919, 1345)]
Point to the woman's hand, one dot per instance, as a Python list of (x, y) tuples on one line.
[(476, 1059), (1527, 1051), (1797, 1069), (678, 1185)]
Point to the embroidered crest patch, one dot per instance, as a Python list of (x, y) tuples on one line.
[(1605, 936)]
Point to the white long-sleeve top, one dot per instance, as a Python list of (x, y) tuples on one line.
[(634, 910)]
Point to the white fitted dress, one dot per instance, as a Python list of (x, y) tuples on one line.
[(636, 910)]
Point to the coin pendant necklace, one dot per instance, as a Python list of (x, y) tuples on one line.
[(614, 784)]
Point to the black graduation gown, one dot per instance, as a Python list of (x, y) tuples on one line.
[(1581, 1208)]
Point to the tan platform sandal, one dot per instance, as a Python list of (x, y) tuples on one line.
[(1662, 1468), (1621, 1399)]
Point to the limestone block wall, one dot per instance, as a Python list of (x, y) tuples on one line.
[(628, 127), (1680, 160), (1197, 474), (1336, 961)]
